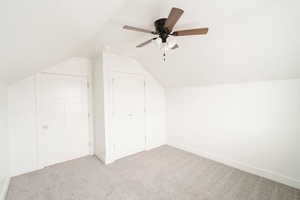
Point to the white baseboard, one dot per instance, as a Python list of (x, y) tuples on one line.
[(107, 162), (148, 148), (4, 189), (153, 146), (277, 177)]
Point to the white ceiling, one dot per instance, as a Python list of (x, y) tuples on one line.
[(39, 33), (249, 40)]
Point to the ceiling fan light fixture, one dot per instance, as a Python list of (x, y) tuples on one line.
[(171, 42), (158, 42), (164, 33), (165, 46)]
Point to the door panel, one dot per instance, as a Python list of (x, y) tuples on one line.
[(128, 114), (63, 118)]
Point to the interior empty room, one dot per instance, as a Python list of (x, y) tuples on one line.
[(150, 100)]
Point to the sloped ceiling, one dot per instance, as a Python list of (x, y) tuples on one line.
[(248, 40), (40, 33)]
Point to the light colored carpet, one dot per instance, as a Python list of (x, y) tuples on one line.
[(164, 173)]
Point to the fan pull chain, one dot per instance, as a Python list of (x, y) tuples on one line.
[(164, 54)]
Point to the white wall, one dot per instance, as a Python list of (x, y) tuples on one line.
[(76, 66), (155, 102), (22, 126), (251, 126), (23, 115), (98, 102), (4, 141)]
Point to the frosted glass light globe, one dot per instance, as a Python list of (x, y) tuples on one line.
[(158, 42), (171, 42)]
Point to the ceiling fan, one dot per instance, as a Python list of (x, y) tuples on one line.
[(164, 29)]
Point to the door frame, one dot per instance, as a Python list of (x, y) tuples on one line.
[(89, 97), (114, 75)]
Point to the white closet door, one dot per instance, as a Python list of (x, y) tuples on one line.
[(128, 126), (63, 118)]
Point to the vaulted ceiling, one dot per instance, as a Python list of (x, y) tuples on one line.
[(40, 33), (248, 40)]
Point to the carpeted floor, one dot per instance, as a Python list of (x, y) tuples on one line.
[(164, 173)]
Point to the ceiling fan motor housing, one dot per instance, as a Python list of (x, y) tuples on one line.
[(161, 30)]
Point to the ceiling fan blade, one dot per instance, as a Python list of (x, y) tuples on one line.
[(175, 47), (132, 28), (145, 43), (197, 31), (174, 16)]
